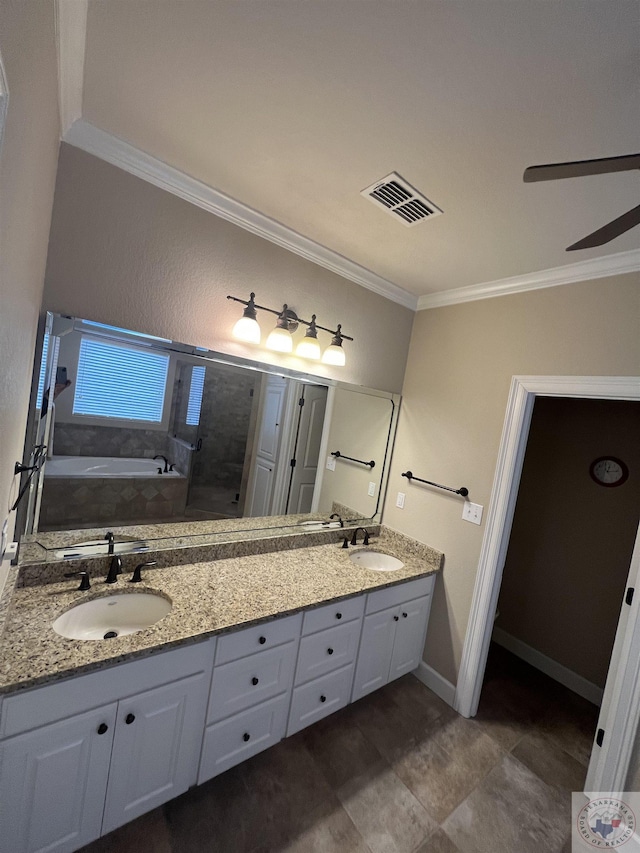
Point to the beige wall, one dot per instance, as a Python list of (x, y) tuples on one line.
[(572, 539), (27, 175), (461, 361), (127, 253)]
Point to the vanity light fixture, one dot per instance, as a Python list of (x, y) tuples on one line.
[(247, 328), (309, 346), (334, 354), (280, 338)]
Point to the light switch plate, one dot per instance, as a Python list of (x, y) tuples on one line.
[(472, 512), (400, 500), (331, 463), (372, 490)]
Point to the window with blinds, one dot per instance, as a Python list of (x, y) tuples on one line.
[(196, 390), (120, 381), (43, 371)]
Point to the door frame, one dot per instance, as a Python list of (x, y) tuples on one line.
[(515, 434)]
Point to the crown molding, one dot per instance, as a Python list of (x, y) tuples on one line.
[(107, 147), (622, 262)]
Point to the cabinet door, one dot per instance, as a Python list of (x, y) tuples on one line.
[(156, 748), (52, 783), (374, 657), (410, 632)]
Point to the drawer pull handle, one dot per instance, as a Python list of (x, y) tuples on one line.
[(102, 728), (329, 651), (262, 640), (254, 680), (338, 615), (246, 736), (404, 615), (395, 618), (323, 698), (129, 719)]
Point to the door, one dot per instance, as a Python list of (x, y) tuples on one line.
[(53, 782), (410, 633), (619, 714), (307, 449), (376, 647), (156, 749), (267, 447)]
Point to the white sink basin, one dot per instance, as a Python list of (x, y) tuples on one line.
[(376, 561), (112, 616)]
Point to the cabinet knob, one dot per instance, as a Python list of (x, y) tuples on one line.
[(254, 680), (338, 615), (129, 719), (404, 615), (323, 698), (262, 640), (246, 736), (395, 618), (329, 651), (102, 728)]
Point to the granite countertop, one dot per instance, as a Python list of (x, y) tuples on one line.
[(208, 598)]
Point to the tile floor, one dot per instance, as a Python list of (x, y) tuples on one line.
[(397, 772)]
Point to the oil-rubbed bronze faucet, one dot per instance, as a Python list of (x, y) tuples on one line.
[(354, 538), (115, 569)]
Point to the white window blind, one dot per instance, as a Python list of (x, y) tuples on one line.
[(120, 381), (43, 371), (196, 390)]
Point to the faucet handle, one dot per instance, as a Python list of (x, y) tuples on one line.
[(84, 582), (136, 577)]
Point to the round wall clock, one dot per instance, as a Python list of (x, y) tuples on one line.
[(609, 471)]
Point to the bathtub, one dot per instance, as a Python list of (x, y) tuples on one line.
[(104, 466), (92, 491)]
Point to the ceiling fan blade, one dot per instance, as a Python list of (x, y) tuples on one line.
[(608, 232), (580, 168)]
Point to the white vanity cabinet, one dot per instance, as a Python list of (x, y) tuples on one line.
[(80, 757), (250, 693), (324, 673), (393, 634)]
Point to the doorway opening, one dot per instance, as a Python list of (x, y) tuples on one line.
[(620, 710)]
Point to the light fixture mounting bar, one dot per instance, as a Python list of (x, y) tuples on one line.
[(300, 320)]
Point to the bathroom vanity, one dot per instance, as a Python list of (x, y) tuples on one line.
[(95, 733)]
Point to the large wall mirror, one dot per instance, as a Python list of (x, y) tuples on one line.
[(158, 437)]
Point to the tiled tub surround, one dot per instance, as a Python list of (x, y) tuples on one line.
[(208, 598), (78, 500)]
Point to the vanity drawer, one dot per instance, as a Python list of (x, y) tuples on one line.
[(232, 741), (258, 638), (319, 698), (332, 614), (328, 650), (392, 595), (256, 678)]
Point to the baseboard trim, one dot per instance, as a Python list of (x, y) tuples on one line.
[(436, 682), (550, 667)]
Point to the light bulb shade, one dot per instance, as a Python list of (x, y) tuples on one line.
[(247, 330), (280, 340), (334, 354), (308, 348)]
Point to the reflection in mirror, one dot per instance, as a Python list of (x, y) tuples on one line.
[(145, 431)]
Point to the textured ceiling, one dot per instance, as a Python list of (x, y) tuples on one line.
[(294, 107)]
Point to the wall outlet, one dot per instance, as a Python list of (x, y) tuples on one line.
[(331, 463), (472, 512), (400, 500), (372, 490)]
